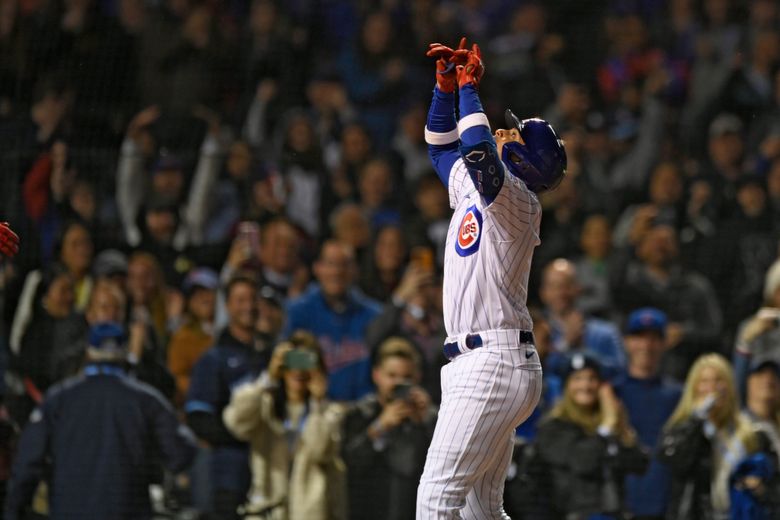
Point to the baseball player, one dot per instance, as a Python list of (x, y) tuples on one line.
[(494, 378), (9, 241)]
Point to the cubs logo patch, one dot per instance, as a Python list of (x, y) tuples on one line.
[(469, 232)]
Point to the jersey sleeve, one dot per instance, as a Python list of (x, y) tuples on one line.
[(478, 147), (441, 134)]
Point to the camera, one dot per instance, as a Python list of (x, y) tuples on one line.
[(300, 359), (401, 391)]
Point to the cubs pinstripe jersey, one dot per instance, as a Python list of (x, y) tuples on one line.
[(488, 255)]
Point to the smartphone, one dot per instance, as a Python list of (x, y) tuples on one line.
[(423, 258), (300, 359), (249, 233), (401, 391)]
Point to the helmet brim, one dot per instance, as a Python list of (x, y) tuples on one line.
[(512, 121)]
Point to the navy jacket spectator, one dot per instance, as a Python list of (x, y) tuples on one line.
[(225, 366), (649, 400), (229, 363), (98, 439)]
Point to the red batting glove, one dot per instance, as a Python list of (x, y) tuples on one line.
[(448, 60), (471, 72), (9, 241)]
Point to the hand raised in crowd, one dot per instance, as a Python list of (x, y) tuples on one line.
[(414, 277), (573, 327), (610, 407), (675, 332), (141, 121), (210, 117), (420, 401), (395, 413), (240, 252), (9, 241), (277, 359), (766, 319), (615, 417)]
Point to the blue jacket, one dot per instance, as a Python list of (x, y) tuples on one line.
[(600, 338), (649, 404), (342, 336), (101, 437), (226, 365)]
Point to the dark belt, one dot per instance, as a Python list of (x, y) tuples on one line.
[(451, 350)]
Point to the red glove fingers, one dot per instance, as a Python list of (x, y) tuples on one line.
[(473, 70), (439, 50), (9, 241), (448, 59)]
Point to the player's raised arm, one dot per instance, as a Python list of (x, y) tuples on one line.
[(441, 132), (477, 146)]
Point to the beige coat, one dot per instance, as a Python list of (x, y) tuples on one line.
[(314, 488)]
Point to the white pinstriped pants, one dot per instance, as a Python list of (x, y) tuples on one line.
[(486, 394)]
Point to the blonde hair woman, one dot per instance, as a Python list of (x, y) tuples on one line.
[(294, 436), (704, 440), (586, 446)]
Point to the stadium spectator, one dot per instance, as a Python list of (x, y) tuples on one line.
[(132, 429), (52, 313), (338, 315), (384, 265), (196, 333), (414, 314), (759, 335), (386, 436), (376, 190), (232, 360), (294, 435), (593, 267), (587, 445), (572, 330), (704, 440), (655, 278), (73, 251), (375, 76), (649, 400), (427, 225)]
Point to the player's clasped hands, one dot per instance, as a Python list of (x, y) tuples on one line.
[(459, 66)]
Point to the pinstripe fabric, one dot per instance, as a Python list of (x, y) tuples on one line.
[(486, 392), (488, 289)]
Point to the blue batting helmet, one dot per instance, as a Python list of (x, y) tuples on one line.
[(541, 161)]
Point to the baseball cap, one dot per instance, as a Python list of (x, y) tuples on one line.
[(271, 294), (763, 363), (725, 123), (110, 262), (107, 340), (167, 162), (200, 277), (580, 361), (647, 319)]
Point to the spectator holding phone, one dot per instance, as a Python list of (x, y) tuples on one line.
[(704, 441), (294, 437), (759, 335), (386, 436)]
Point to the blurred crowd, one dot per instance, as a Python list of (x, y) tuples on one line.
[(242, 190)]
